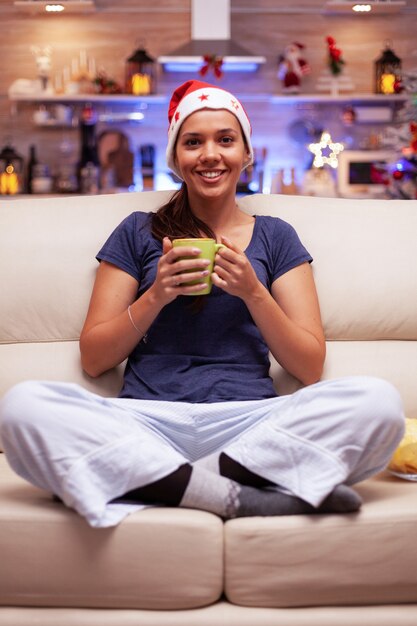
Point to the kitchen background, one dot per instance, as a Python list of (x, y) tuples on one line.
[(283, 124)]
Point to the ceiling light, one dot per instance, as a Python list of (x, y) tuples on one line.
[(370, 7), (69, 6), (54, 8), (361, 8)]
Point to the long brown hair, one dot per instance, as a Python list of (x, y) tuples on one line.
[(176, 220)]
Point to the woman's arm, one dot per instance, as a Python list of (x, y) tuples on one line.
[(288, 317), (290, 323), (108, 335)]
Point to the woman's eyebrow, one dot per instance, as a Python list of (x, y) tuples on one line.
[(221, 131)]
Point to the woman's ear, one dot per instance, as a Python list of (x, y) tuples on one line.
[(175, 158), (248, 159)]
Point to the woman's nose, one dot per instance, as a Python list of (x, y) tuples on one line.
[(210, 151)]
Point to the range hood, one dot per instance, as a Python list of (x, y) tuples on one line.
[(210, 36)]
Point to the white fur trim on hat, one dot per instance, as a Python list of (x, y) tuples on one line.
[(206, 98)]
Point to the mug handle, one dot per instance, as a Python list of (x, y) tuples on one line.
[(218, 246)]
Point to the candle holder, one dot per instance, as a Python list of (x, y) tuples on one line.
[(11, 171), (140, 73), (388, 72)]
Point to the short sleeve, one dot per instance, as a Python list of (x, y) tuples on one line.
[(123, 247), (289, 252)]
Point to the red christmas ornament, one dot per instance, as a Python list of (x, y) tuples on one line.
[(413, 131), (398, 86), (397, 175)]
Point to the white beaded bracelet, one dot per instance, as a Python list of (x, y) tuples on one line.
[(144, 335)]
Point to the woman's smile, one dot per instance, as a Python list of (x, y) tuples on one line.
[(211, 175)]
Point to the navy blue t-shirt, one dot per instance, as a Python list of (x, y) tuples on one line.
[(211, 352)]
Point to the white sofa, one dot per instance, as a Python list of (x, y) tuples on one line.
[(176, 567)]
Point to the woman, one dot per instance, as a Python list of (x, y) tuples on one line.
[(198, 423)]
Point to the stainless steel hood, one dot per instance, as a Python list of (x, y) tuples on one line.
[(210, 36)]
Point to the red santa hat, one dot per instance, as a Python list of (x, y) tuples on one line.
[(193, 96)]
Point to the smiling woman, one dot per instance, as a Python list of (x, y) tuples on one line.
[(197, 381)]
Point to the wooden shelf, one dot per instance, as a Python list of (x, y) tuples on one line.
[(85, 97), (124, 99), (324, 98)]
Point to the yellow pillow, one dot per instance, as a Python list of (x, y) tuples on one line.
[(404, 459)]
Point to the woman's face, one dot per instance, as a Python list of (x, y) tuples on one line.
[(210, 152)]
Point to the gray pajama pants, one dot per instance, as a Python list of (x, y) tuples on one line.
[(89, 450)]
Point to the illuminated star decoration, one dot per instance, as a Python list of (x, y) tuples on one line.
[(325, 151)]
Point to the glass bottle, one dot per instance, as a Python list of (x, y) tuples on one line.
[(89, 164), (33, 160)]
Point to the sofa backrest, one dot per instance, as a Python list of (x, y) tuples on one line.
[(364, 265)]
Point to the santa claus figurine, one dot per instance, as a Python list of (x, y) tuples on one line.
[(292, 67)]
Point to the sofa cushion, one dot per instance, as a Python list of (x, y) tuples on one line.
[(53, 360), (47, 260), (157, 559), (362, 253), (356, 559)]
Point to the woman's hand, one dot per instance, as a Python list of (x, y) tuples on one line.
[(288, 317), (233, 271), (174, 270)]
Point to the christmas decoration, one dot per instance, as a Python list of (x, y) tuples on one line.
[(140, 73), (335, 61), (388, 72), (214, 62), (334, 84), (104, 84), (43, 66), (348, 116), (334, 78), (318, 182), (11, 171), (292, 67), (402, 139), (325, 151)]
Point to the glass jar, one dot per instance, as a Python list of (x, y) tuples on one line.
[(41, 179)]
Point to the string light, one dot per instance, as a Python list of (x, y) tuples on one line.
[(362, 8)]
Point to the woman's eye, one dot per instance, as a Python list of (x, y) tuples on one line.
[(192, 142), (226, 139)]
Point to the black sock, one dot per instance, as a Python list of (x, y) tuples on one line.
[(167, 491)]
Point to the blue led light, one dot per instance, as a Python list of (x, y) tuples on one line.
[(195, 67)]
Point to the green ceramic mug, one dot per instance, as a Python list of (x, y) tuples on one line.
[(208, 248)]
